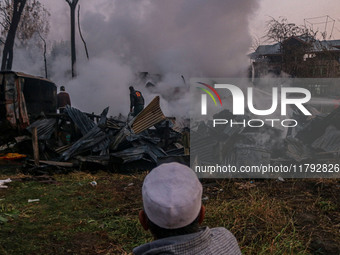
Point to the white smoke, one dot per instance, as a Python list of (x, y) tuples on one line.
[(172, 38)]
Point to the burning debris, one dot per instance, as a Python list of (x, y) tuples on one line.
[(76, 139)]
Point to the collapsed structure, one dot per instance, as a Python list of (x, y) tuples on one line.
[(74, 138), (77, 139), (315, 140)]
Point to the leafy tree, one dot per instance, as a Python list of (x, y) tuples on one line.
[(21, 19), (281, 31), (7, 57)]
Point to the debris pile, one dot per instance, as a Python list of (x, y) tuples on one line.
[(315, 139), (77, 139)]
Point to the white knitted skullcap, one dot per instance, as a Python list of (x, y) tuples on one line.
[(172, 195)]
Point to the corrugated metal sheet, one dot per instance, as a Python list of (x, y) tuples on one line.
[(203, 146), (25, 75), (151, 115), (45, 128), (135, 137), (329, 141), (115, 124), (145, 152), (95, 140), (80, 119), (131, 154), (297, 150)]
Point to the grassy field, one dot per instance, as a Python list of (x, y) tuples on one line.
[(74, 217)]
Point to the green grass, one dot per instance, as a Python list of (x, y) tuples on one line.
[(73, 217)]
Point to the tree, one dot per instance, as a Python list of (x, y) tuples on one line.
[(280, 30), (33, 19), (7, 55), (73, 4), (286, 34)]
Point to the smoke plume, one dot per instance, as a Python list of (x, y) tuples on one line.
[(193, 38)]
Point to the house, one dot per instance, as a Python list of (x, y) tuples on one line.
[(301, 57)]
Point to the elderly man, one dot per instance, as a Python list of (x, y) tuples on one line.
[(173, 211)]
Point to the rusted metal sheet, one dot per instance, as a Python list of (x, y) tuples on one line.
[(25, 75), (151, 115), (23, 95), (13, 101)]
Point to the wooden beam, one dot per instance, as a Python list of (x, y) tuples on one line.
[(56, 163), (35, 146)]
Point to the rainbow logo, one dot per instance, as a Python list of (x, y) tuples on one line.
[(209, 93)]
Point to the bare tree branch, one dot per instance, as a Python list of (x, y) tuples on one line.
[(81, 35), (45, 61)]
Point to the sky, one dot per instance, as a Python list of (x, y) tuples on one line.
[(193, 38), (296, 11)]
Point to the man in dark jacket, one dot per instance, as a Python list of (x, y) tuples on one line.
[(136, 101), (63, 99)]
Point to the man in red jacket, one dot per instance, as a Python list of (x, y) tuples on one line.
[(63, 99)]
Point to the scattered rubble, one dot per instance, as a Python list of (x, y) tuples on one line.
[(316, 139), (2, 182), (77, 139), (42, 140), (33, 200)]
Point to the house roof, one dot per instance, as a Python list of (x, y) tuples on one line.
[(274, 49), (262, 50), (25, 75)]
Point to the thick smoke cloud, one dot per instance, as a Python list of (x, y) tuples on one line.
[(194, 38)]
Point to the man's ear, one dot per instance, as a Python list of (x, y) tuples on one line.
[(143, 219), (201, 215)]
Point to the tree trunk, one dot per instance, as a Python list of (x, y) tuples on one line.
[(7, 55), (73, 41)]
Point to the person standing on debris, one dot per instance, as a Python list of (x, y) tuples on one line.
[(63, 99), (173, 211), (136, 101)]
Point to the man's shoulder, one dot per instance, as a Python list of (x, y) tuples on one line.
[(224, 233), (220, 231), (207, 241), (223, 242)]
